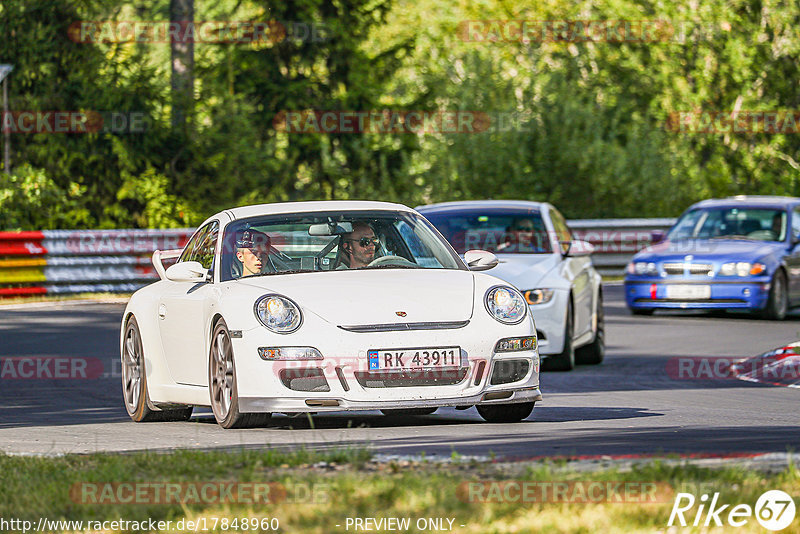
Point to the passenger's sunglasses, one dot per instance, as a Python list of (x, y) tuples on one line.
[(366, 241)]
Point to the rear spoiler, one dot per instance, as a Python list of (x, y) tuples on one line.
[(160, 255)]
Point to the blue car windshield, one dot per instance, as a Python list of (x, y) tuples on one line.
[(503, 231), (757, 224)]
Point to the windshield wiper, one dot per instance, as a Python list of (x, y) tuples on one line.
[(394, 266), (293, 271), (733, 236)]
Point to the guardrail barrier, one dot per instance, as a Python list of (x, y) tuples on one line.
[(119, 261), (81, 261)]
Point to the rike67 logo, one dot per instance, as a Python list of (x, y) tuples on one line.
[(774, 510)]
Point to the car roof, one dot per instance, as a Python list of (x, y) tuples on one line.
[(762, 201), (486, 204), (243, 212)]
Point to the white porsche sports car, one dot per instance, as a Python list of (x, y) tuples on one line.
[(538, 255), (326, 306)]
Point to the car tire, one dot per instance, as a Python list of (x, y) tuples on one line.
[(594, 352), (409, 411), (642, 311), (505, 413), (134, 381), (222, 385), (565, 361), (777, 303)]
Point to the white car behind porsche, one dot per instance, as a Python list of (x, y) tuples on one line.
[(538, 255)]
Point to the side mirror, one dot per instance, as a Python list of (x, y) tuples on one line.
[(480, 260), (187, 271), (579, 248), (657, 236)]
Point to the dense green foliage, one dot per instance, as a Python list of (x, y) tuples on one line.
[(585, 123)]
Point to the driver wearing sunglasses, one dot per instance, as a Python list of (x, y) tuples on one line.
[(359, 246)]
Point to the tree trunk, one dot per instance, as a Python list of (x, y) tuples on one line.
[(181, 12)]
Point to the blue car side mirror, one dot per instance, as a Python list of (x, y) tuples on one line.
[(657, 236)]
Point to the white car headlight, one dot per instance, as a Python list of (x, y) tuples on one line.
[(506, 304), (538, 296), (278, 313)]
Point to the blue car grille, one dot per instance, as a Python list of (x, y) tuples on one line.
[(696, 269)]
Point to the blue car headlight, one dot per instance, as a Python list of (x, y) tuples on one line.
[(742, 268), (642, 268), (506, 304), (278, 313)]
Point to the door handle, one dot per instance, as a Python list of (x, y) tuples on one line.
[(162, 311)]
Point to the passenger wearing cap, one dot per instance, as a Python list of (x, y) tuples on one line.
[(252, 249)]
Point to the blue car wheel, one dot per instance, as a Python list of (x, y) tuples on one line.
[(778, 302)]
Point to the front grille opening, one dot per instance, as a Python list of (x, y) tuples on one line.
[(342, 380), (697, 269), (312, 379), (540, 335), (479, 372), (507, 371), (411, 378)]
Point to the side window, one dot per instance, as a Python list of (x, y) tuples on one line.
[(795, 222), (204, 252), (202, 244), (563, 234)]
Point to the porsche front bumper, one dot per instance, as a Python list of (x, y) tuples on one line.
[(342, 379)]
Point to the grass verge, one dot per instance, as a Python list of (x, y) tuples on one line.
[(317, 492)]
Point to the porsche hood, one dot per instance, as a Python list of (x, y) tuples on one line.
[(379, 296)]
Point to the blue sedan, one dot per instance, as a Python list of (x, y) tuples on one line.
[(734, 253)]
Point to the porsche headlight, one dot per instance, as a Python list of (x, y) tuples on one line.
[(278, 313), (506, 304)]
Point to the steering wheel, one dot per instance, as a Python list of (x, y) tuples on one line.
[(388, 260)]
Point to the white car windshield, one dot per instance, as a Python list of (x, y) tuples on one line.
[(504, 231), (311, 242), (756, 224)]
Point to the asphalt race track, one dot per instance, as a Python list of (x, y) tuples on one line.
[(636, 402)]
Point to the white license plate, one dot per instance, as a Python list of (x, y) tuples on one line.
[(688, 292), (414, 358)]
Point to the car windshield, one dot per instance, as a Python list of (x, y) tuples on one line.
[(503, 231), (308, 242), (758, 224)]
